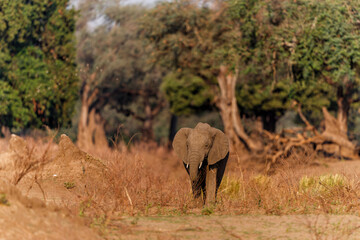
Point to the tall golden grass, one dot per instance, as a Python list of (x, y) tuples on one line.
[(153, 181), (148, 180)]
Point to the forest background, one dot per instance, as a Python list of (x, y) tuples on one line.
[(110, 71)]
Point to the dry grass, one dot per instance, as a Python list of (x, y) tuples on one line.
[(147, 181), (151, 181), (143, 181)]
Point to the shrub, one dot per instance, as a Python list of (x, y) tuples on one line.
[(230, 186), (4, 200), (322, 185)]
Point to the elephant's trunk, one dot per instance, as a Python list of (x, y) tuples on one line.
[(195, 159)]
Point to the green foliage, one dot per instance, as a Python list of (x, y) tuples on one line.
[(118, 55), (186, 93), (264, 78), (240, 34), (312, 96), (12, 109), (114, 59), (192, 41), (253, 37), (257, 99), (326, 55), (37, 63), (306, 51), (329, 45)]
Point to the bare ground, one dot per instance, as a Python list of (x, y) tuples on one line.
[(25, 218), (242, 227)]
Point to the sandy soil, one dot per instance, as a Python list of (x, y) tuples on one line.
[(25, 218), (242, 227)]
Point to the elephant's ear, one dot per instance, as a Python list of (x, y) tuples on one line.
[(220, 147), (179, 144)]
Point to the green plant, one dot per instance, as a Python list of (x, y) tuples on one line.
[(4, 200), (135, 221), (262, 181), (322, 185), (231, 186), (207, 210), (100, 223), (83, 206), (69, 185)]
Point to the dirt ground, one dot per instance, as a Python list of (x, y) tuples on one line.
[(25, 218), (242, 227), (46, 217)]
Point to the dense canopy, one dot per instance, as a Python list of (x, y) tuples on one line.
[(37, 63)]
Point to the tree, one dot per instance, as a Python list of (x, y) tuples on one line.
[(322, 40), (219, 51), (267, 85), (262, 90), (117, 74), (316, 43), (186, 93), (270, 50), (188, 40), (37, 63), (328, 51)]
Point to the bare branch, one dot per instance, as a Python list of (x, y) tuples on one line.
[(93, 96), (329, 80), (157, 109), (356, 100), (309, 126)]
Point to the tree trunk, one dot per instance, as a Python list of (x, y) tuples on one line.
[(84, 139), (5, 131), (172, 129), (229, 112), (97, 126), (336, 128), (343, 103), (147, 129), (91, 131), (334, 132)]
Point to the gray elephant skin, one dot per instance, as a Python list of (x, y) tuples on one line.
[(204, 151)]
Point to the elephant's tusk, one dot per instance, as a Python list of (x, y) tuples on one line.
[(187, 165), (200, 165)]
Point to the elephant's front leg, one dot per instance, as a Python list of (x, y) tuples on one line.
[(211, 185), (213, 179)]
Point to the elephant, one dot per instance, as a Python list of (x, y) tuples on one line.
[(204, 151)]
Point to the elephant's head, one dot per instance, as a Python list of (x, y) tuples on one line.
[(194, 145)]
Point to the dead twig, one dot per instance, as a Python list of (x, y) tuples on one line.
[(228, 231)]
